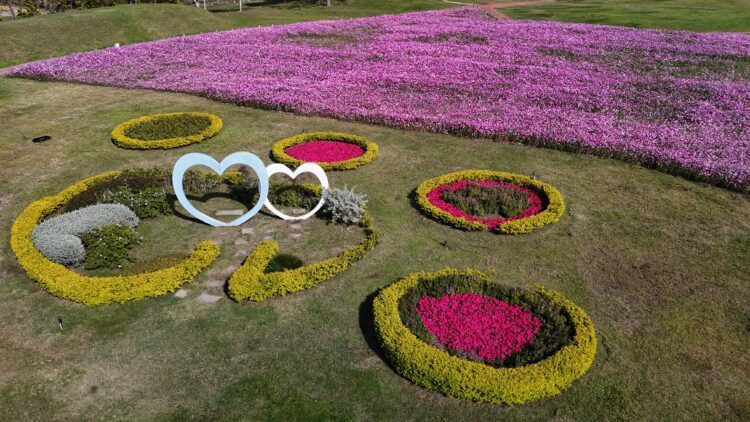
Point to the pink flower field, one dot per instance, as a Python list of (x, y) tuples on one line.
[(678, 101)]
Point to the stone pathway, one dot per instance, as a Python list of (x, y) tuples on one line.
[(208, 298)]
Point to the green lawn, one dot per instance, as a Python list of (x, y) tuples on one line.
[(693, 15), (41, 37), (658, 262)]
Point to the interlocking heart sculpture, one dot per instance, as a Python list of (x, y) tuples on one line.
[(256, 164)]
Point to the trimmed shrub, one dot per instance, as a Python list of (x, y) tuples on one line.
[(251, 282), (62, 282), (278, 152), (58, 238), (436, 369), (343, 205), (553, 210), (167, 130)]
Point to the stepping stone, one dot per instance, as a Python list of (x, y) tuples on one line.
[(230, 212), (242, 252), (240, 241), (248, 231), (229, 270), (214, 283), (208, 298), (296, 226), (181, 293), (267, 237), (298, 211), (295, 235)]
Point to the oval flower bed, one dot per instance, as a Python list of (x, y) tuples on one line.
[(458, 333), (330, 150), (167, 130), (60, 281), (529, 203)]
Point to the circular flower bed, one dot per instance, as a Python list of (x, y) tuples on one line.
[(168, 130), (60, 281), (330, 150), (458, 333), (482, 199)]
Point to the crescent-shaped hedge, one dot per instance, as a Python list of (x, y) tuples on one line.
[(430, 367), (278, 152), (121, 139), (551, 214), (62, 282), (250, 282)]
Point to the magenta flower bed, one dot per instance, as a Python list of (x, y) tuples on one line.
[(435, 196), (676, 100), (325, 151), (477, 324)]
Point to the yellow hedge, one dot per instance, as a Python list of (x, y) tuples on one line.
[(122, 140), (62, 282), (278, 152), (551, 214), (435, 369), (250, 282)]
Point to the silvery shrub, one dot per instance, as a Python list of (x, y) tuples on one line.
[(57, 238), (343, 205)]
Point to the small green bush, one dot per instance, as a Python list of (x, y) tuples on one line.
[(108, 247), (480, 200), (282, 262)]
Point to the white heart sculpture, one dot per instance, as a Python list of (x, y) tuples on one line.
[(196, 159), (304, 168)]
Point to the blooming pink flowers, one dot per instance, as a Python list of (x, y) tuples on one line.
[(483, 325), (325, 151), (676, 100), (435, 196)]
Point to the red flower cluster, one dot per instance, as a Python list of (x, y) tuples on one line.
[(435, 196), (325, 151), (486, 326)]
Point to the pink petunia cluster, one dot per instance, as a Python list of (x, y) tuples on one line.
[(435, 196), (482, 325), (675, 100), (325, 151)]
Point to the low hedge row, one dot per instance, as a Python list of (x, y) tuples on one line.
[(62, 282), (250, 282), (120, 133), (428, 366), (278, 152), (551, 214)]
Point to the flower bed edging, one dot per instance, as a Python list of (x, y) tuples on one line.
[(250, 282), (120, 139), (64, 283), (551, 214), (278, 152), (435, 369)]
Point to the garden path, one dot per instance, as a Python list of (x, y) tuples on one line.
[(492, 8)]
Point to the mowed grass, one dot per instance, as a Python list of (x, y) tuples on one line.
[(41, 37), (660, 264), (692, 15)]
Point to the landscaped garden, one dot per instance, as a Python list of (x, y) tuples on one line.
[(433, 215)]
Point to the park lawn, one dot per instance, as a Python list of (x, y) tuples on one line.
[(659, 263), (41, 37), (692, 15)]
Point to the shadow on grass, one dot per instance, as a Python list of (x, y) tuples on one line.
[(367, 325)]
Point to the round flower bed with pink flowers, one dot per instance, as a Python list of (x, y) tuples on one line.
[(482, 199), (459, 333), (330, 150)]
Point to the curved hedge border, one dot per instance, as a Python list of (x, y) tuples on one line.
[(278, 152), (122, 140), (551, 214), (430, 367), (250, 282), (62, 282)]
